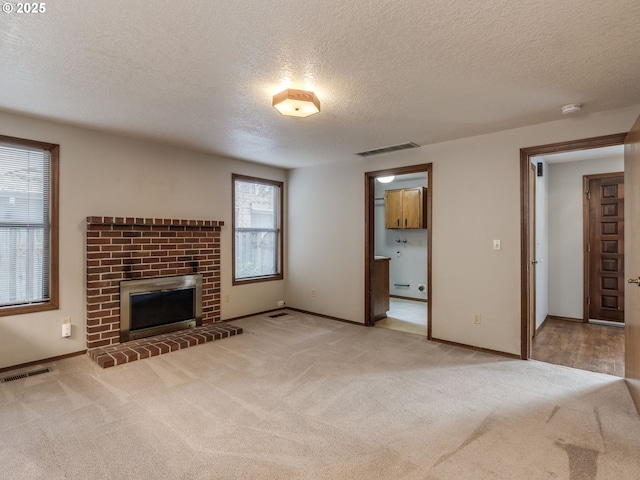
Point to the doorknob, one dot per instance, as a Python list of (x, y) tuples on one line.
[(635, 280)]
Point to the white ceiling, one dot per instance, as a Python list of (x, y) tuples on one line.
[(201, 74)]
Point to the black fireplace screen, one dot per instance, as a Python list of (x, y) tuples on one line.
[(159, 305), (160, 308)]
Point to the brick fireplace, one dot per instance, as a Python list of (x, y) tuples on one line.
[(124, 248)]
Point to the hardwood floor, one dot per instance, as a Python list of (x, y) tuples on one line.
[(596, 348)]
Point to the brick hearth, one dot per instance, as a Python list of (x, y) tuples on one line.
[(124, 248), (160, 344)]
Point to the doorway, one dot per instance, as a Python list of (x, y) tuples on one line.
[(407, 297), (559, 261)]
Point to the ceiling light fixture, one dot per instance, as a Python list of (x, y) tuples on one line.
[(388, 179), (571, 108), (296, 103)]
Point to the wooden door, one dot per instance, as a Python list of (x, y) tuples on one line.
[(605, 197), (632, 262), (412, 207), (393, 209)]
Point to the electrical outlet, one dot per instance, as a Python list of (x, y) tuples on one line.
[(227, 298), (476, 318), (66, 327), (313, 292), (281, 303)]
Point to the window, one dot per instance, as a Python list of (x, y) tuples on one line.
[(257, 246), (28, 226)]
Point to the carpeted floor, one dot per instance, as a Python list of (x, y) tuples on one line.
[(300, 397)]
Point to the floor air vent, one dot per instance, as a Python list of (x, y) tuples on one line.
[(24, 375), (276, 315), (393, 148)]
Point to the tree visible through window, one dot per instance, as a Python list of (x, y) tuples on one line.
[(257, 246), (28, 226)]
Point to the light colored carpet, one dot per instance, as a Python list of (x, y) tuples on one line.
[(311, 398)]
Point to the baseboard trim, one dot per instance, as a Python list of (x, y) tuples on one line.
[(565, 319), (295, 310), (326, 316), (44, 360), (321, 315), (606, 323), (477, 349), (409, 298), (543, 324), (252, 314)]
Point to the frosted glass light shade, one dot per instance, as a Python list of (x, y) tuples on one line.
[(386, 179), (296, 103)]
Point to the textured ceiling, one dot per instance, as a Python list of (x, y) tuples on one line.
[(201, 74)]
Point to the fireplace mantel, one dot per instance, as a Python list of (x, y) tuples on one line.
[(127, 248)]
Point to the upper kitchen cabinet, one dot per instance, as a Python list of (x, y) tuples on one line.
[(405, 208)]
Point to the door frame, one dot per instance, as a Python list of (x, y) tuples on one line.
[(525, 211), (586, 223), (369, 235), (532, 260)]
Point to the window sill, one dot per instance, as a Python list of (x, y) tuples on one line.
[(269, 278), (25, 309)]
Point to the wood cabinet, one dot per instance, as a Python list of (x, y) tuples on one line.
[(380, 288), (405, 208)]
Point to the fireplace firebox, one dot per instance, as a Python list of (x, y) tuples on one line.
[(159, 305)]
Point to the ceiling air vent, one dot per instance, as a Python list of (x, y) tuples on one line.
[(392, 148)]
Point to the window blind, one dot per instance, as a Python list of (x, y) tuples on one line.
[(24, 225)]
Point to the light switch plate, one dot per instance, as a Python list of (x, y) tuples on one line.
[(497, 245)]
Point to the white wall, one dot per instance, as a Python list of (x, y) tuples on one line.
[(476, 198), (408, 264), (542, 243), (566, 237), (102, 174)]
